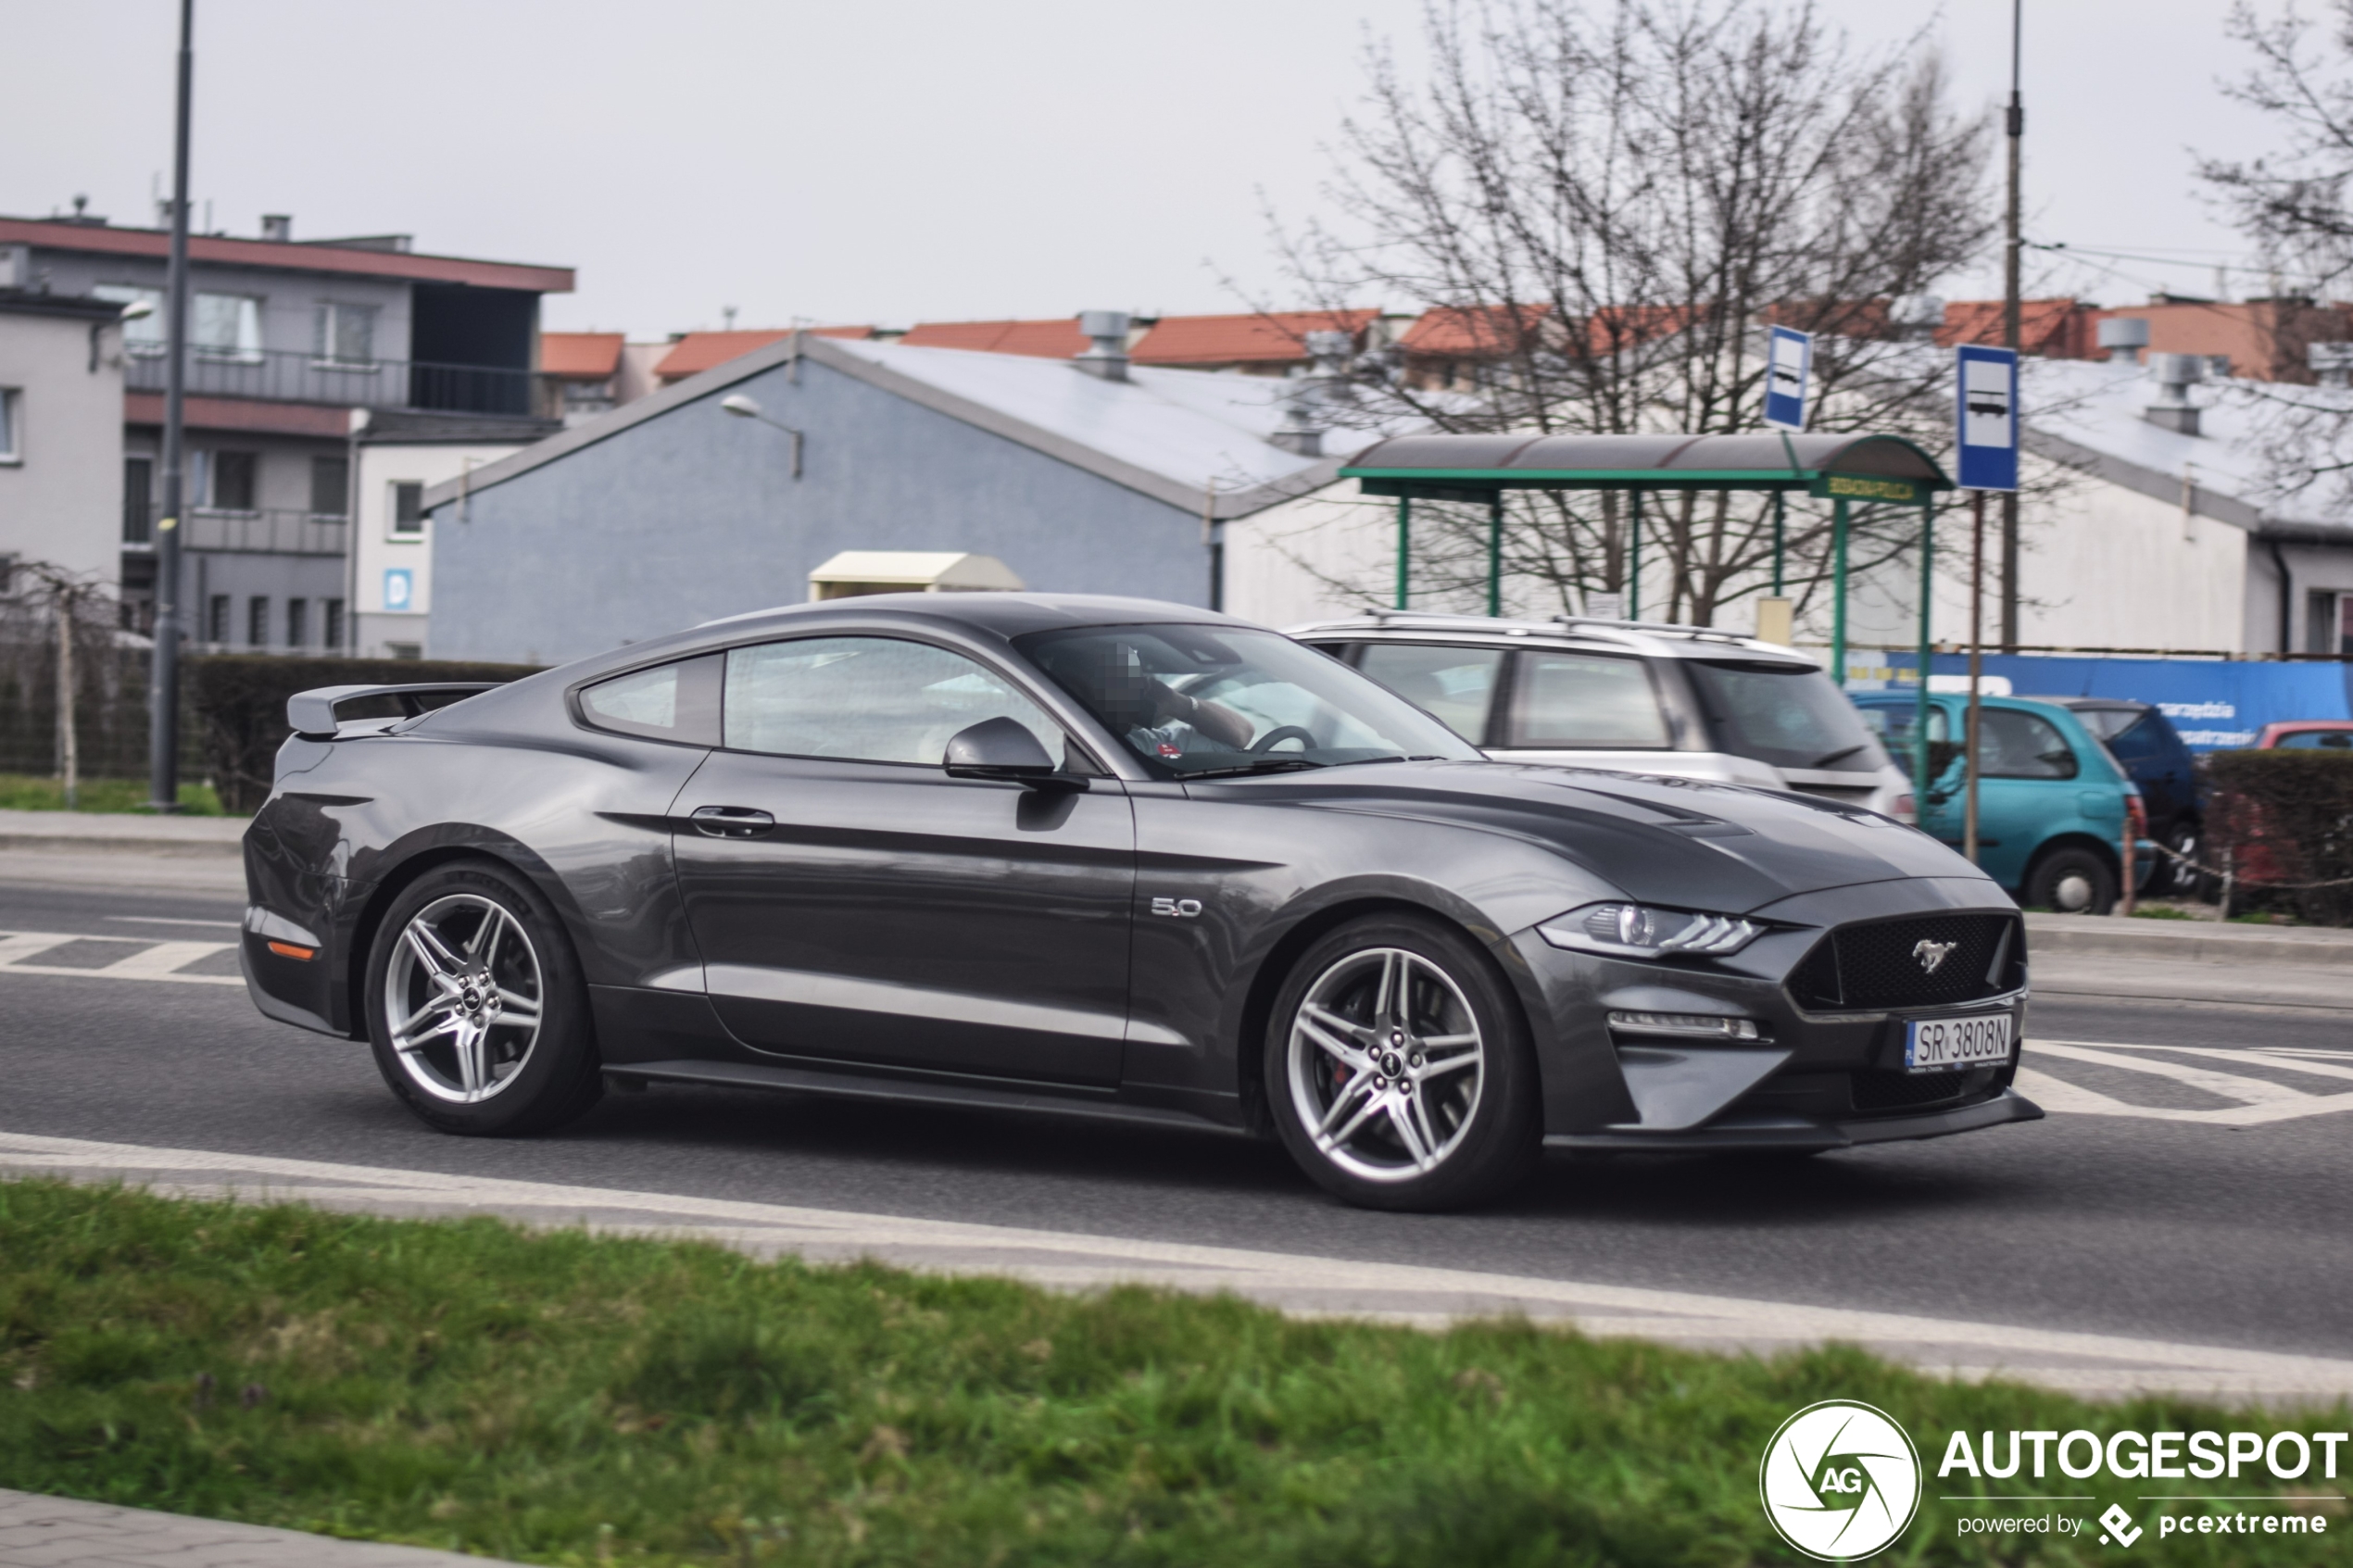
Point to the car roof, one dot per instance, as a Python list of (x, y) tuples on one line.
[(1006, 614), (2090, 703), (2287, 726), (1658, 638)]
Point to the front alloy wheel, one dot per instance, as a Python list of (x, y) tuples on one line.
[(462, 995), (1398, 1068), (1386, 1055)]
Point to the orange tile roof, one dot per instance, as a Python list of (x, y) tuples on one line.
[(1473, 331), (1043, 340), (579, 356), (698, 352), (1274, 337), (2056, 327)]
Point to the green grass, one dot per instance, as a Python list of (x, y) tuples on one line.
[(564, 1399), (30, 792), (2160, 911)]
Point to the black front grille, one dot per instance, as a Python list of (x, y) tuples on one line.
[(1885, 963), (1901, 1091)]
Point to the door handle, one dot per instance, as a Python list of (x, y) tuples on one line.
[(731, 821)]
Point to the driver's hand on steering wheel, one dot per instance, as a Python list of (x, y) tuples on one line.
[(1215, 720)]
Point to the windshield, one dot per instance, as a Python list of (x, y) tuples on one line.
[(1788, 715), (1196, 700)]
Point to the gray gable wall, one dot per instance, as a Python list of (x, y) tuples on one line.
[(694, 514)]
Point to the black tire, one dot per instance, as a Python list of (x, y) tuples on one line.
[(2073, 880), (1395, 1079), (517, 1081)]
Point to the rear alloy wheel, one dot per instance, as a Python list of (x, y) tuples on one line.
[(1400, 1070), (475, 1007), (2074, 881)]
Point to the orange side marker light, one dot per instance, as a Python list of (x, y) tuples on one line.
[(288, 950)]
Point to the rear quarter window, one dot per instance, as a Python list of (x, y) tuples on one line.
[(673, 702)]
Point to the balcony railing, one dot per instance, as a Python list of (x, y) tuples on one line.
[(274, 531), (279, 376)]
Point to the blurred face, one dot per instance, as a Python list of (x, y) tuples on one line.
[(1109, 678)]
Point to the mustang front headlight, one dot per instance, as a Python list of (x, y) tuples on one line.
[(1642, 930)]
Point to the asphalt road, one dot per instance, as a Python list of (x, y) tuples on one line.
[(2133, 1216)]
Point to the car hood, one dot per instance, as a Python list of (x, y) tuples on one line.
[(1680, 842)]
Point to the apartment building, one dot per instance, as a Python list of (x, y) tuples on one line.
[(288, 340)]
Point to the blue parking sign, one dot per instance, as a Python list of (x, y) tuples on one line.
[(1789, 369), (398, 586), (1985, 416)]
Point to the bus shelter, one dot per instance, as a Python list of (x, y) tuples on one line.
[(1847, 470)]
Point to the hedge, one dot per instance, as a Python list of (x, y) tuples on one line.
[(239, 704), (2279, 819)]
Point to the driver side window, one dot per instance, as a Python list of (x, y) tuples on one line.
[(867, 699)]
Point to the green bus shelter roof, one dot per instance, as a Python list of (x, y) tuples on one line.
[(1474, 468)]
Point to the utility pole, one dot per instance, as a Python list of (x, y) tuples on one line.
[(2011, 248), (163, 689)]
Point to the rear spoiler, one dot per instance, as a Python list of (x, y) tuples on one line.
[(311, 714)]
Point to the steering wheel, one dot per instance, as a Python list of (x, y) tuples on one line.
[(1281, 732)]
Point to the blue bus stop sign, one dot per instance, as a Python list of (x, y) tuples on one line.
[(1985, 417), (1789, 369)]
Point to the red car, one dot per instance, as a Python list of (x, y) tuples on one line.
[(2317, 734), (2257, 863)]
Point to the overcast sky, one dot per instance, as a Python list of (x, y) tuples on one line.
[(897, 160)]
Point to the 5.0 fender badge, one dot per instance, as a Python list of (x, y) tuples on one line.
[(1183, 908)]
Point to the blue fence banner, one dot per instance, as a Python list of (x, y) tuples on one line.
[(1789, 377), (1985, 417), (2216, 704)]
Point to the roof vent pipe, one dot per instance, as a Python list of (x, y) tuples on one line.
[(2331, 363), (1304, 414), (277, 226), (1106, 352), (2175, 373), (2124, 337)]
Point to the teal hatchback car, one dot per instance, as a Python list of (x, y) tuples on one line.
[(2052, 802)]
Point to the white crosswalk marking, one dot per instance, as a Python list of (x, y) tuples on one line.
[(144, 959), (2255, 1100)]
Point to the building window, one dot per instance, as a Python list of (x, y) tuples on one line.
[(227, 326), (330, 486), (11, 417), (330, 624), (297, 623), (226, 480), (404, 650), (346, 334), (216, 621), (138, 500), (407, 508), (258, 621), (146, 335)]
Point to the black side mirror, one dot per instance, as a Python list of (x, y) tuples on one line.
[(1003, 748)]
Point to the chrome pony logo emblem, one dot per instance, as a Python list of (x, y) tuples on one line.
[(1932, 954)]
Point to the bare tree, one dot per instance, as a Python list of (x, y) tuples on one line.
[(2294, 206), (1604, 205)]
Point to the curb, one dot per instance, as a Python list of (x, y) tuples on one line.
[(85, 833), (2189, 941)]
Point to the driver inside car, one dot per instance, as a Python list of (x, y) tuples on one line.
[(1149, 714)]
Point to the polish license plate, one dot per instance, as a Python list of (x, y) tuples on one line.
[(1940, 1045)]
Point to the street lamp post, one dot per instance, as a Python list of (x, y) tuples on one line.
[(746, 408), (2016, 127), (163, 689)]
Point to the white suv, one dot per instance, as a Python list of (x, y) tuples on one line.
[(1634, 696)]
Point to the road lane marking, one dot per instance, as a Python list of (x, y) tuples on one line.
[(155, 960), (2094, 1364), (177, 920), (2255, 1101)]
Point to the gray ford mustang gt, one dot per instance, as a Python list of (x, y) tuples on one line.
[(1106, 858)]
